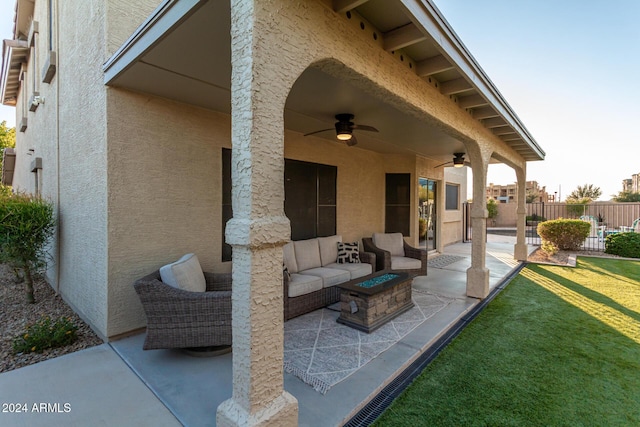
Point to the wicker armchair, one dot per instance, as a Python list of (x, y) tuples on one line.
[(183, 319), (383, 257)]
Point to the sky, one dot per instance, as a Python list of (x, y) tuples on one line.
[(7, 114), (568, 68)]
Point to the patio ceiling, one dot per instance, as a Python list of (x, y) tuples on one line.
[(182, 52)]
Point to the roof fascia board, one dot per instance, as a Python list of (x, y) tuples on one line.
[(168, 15), (9, 48), (427, 16), (23, 17)]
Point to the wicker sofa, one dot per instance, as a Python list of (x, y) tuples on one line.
[(178, 318), (312, 272), (393, 253)]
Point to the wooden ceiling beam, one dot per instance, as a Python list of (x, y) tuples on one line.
[(433, 65), (482, 113), (472, 101), (403, 37), (454, 86), (494, 122), (342, 6), (503, 130)]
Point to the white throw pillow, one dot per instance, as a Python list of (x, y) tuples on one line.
[(185, 274)]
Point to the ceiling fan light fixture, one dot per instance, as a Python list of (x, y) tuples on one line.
[(458, 160), (344, 126), (345, 136)]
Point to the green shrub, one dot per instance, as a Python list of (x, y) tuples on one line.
[(26, 227), (5, 190), (563, 234), (623, 244), (577, 207), (46, 334), (536, 217), (492, 209)]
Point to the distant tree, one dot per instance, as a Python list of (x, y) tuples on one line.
[(492, 210), (532, 195), (587, 191), (577, 207), (627, 196), (7, 138)]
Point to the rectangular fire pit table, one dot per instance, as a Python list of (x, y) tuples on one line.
[(372, 302)]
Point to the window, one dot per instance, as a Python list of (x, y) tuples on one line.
[(310, 199), (397, 216), (452, 197)]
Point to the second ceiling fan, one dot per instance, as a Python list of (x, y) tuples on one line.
[(344, 128)]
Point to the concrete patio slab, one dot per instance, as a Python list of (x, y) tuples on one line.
[(92, 387), (120, 384)]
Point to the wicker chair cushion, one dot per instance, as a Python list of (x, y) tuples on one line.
[(185, 274), (404, 263), (307, 254), (392, 242), (329, 249), (289, 258)]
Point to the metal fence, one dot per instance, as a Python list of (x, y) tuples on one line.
[(605, 219)]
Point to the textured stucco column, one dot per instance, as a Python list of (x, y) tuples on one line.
[(259, 227), (520, 250), (478, 274)]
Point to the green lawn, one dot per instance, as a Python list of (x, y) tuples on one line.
[(558, 346)]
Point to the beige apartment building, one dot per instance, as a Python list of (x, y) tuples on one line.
[(507, 193), (163, 127), (631, 185)]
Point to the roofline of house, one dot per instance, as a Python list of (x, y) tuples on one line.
[(454, 49)]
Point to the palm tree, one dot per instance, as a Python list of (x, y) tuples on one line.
[(587, 191)]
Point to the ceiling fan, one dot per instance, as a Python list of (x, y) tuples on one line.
[(458, 161), (344, 128)]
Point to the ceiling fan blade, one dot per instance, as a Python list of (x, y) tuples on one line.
[(365, 127), (318, 131), (443, 164), (351, 142)]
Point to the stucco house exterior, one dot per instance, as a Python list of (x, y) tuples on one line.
[(162, 127)]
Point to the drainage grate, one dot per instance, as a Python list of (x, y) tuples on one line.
[(372, 410)]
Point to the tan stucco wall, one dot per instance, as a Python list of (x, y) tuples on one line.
[(70, 136), (71, 132), (164, 193), (82, 152), (139, 176)]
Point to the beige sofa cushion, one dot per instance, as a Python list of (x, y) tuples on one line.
[(355, 269), (329, 249), (301, 284), (392, 242), (329, 276), (289, 258), (185, 274), (307, 254)]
